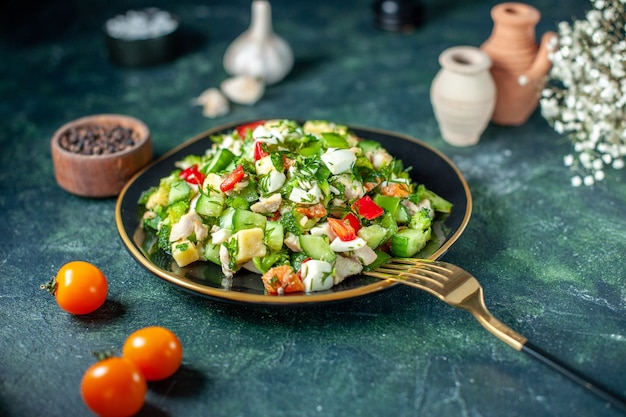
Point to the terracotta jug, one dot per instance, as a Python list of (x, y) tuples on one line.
[(519, 64), (463, 95)]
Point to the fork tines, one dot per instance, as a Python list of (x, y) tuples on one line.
[(427, 274)]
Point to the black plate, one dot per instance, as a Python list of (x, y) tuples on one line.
[(430, 167)]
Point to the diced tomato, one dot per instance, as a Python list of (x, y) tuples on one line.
[(354, 221), (232, 179), (366, 207), (342, 229), (395, 189), (259, 153), (287, 162), (192, 175), (282, 279), (243, 129), (316, 211)]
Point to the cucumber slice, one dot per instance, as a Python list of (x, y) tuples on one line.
[(179, 190), (210, 205), (226, 219), (212, 253), (389, 222), (402, 215), (407, 242), (219, 162), (317, 247), (374, 235), (245, 219), (274, 235)]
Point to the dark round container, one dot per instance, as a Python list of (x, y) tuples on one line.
[(398, 15), (144, 51)]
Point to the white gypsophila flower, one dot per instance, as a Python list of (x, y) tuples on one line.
[(585, 97)]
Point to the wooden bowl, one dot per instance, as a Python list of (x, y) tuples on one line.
[(104, 174)]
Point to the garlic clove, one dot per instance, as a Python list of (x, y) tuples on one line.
[(243, 89), (259, 52), (214, 103)]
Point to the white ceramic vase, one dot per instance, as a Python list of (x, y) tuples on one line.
[(463, 95)]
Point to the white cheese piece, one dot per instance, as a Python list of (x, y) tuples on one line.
[(231, 144), (275, 181), (261, 134), (316, 275), (338, 245), (338, 160), (302, 196), (323, 229), (264, 165)]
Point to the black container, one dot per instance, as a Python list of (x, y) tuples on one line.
[(143, 52), (398, 15)]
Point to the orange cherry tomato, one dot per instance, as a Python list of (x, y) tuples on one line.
[(114, 387), (155, 350), (79, 287)]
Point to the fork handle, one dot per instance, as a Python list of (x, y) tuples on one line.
[(615, 399)]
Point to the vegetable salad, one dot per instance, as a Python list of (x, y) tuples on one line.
[(304, 205)]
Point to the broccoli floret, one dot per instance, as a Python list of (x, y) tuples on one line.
[(177, 210), (420, 220), (290, 222), (164, 237)]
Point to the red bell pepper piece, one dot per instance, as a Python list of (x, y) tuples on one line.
[(366, 207), (259, 153), (354, 221), (192, 175), (243, 129), (342, 229), (232, 179)]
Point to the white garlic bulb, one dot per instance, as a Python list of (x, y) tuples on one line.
[(259, 52), (243, 89)]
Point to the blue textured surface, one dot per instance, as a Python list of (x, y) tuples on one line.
[(550, 257)]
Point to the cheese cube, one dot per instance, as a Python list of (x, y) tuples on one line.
[(249, 244), (184, 252)]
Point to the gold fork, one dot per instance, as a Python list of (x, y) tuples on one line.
[(458, 288)]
